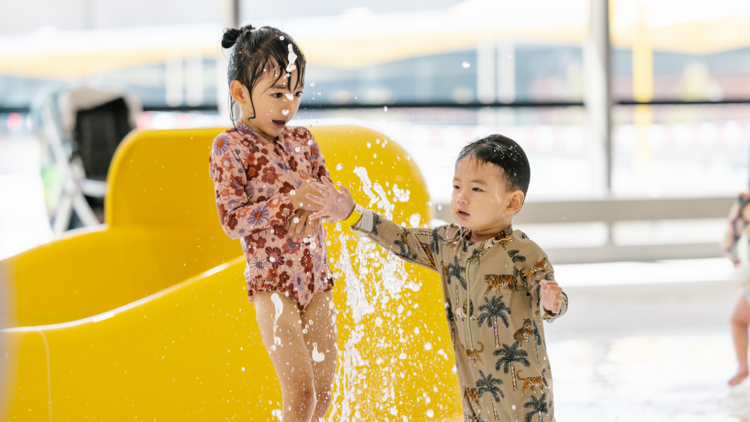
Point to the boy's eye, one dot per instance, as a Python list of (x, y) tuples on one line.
[(277, 95), (299, 94), (455, 187), (477, 190)]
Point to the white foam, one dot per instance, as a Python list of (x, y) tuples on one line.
[(317, 356), (279, 309)]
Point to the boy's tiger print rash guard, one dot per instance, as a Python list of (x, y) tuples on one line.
[(492, 301)]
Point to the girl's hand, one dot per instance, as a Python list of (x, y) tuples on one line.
[(552, 296), (300, 200), (335, 205), (301, 222)]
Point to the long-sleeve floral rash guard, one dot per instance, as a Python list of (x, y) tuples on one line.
[(253, 179)]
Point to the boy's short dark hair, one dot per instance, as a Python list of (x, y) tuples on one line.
[(504, 153)]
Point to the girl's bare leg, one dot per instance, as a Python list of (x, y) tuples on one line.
[(740, 321), (319, 320), (291, 359)]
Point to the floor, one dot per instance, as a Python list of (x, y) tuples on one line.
[(655, 352)]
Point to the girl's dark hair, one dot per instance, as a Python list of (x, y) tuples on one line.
[(504, 153), (254, 50)]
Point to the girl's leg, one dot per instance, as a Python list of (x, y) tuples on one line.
[(740, 321), (291, 359), (318, 318)]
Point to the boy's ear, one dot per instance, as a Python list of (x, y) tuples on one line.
[(516, 202), (239, 92)]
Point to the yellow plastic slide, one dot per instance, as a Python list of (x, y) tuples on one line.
[(147, 318)]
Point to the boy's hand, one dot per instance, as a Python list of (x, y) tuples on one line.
[(300, 199), (335, 205), (552, 296), (301, 222)]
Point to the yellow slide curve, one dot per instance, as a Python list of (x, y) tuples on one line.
[(147, 318)]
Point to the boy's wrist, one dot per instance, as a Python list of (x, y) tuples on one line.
[(355, 215)]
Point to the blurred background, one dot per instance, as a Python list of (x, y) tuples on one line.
[(635, 115)]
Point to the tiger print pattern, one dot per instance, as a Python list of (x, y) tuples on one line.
[(501, 280), (474, 355), (539, 267), (472, 395), (533, 382), (525, 333)]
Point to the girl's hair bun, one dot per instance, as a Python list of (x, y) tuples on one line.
[(230, 37), (232, 34)]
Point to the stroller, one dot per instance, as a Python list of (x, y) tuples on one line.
[(80, 129)]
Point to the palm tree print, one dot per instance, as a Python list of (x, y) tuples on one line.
[(404, 247), (436, 239), (451, 322), (375, 223), (456, 270), (537, 342), (538, 407), (489, 384), (515, 256), (493, 309), (510, 356)]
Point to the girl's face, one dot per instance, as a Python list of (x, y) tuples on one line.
[(275, 102)]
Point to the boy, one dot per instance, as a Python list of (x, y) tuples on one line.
[(498, 285)]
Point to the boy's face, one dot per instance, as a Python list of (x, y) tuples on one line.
[(481, 200), (275, 104)]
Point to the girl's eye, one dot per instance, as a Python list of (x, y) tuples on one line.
[(455, 187), (477, 190), (277, 95), (299, 94)]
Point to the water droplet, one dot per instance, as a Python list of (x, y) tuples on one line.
[(312, 83), (279, 309), (402, 356), (284, 112), (513, 407), (291, 58), (430, 413), (385, 109), (339, 167), (298, 149), (428, 346), (466, 65), (369, 145), (317, 356), (243, 369)]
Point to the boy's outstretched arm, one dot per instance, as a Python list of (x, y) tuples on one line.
[(415, 245), (547, 296)]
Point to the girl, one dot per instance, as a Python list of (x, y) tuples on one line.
[(739, 217), (262, 171)]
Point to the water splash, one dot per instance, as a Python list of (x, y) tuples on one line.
[(466, 65), (401, 194), (317, 356), (284, 112), (291, 58), (279, 309)]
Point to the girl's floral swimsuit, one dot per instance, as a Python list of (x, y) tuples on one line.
[(253, 179)]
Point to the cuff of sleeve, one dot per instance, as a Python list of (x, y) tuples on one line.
[(550, 317), (364, 225)]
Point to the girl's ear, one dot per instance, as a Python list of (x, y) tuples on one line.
[(239, 92), (516, 202)]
